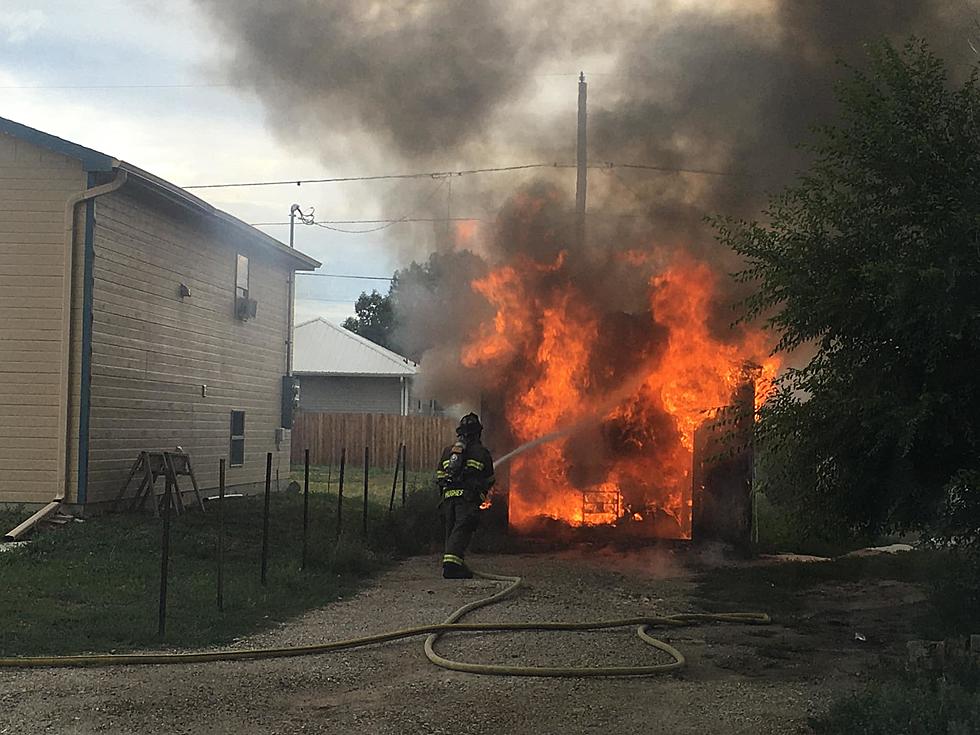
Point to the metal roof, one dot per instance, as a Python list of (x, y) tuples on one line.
[(323, 348), (93, 160)]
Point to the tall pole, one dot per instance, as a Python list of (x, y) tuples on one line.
[(581, 181), (307, 219), (291, 291)]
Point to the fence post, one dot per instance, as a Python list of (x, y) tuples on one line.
[(164, 558), (340, 492), (394, 481), (306, 504), (265, 516), (221, 534), (404, 452), (364, 520)]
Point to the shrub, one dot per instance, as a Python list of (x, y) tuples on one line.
[(947, 705)]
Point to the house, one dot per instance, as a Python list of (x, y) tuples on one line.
[(133, 316), (341, 372)]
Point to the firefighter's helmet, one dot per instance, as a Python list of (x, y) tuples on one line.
[(469, 426)]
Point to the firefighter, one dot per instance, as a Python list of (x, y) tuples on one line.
[(465, 476)]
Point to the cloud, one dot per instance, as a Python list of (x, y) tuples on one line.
[(18, 26)]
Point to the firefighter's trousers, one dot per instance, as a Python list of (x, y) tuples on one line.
[(461, 517)]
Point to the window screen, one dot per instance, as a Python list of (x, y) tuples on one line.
[(237, 450), (241, 277)]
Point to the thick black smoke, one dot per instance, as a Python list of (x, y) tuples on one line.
[(687, 84)]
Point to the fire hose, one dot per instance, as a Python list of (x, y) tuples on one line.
[(434, 632)]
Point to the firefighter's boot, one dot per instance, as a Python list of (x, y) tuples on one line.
[(452, 570)]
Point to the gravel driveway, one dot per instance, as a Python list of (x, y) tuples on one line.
[(728, 686)]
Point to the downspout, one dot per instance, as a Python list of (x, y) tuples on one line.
[(85, 369), (71, 209)]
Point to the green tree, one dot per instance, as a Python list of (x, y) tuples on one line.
[(375, 318), (415, 311), (873, 257)]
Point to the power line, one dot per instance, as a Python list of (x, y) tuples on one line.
[(374, 221), (467, 172), (669, 169), (435, 190), (345, 275), (116, 86), (382, 177), (349, 302), (218, 85)]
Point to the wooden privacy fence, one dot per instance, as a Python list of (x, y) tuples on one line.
[(325, 434)]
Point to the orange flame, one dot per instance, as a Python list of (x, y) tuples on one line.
[(633, 464)]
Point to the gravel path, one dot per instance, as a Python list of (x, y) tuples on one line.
[(727, 687)]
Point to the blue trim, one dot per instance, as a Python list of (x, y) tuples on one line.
[(85, 387), (91, 160)]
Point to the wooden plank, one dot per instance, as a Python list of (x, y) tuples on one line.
[(324, 434)]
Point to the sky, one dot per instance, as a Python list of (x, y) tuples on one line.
[(213, 91), (208, 131)]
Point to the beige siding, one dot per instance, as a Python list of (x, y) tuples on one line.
[(152, 351), (35, 186)]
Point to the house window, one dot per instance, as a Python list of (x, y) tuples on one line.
[(241, 277), (237, 450)]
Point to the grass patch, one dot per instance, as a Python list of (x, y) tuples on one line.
[(776, 587), (908, 705), (327, 479), (93, 586), (780, 531)]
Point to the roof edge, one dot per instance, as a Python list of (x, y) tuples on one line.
[(348, 374), (186, 198), (383, 351), (92, 160)]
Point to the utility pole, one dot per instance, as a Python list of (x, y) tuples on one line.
[(306, 218), (581, 181)]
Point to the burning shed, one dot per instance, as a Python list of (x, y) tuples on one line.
[(618, 353)]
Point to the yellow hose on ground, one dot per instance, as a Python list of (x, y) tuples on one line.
[(435, 631)]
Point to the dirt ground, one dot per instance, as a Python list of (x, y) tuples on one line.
[(740, 679)]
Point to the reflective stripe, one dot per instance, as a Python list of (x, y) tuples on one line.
[(456, 492), (475, 464), (440, 473), (452, 559), (445, 463)]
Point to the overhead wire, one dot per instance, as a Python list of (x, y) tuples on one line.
[(344, 275), (469, 172), (115, 86), (384, 177), (375, 221), (435, 190), (225, 85)]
